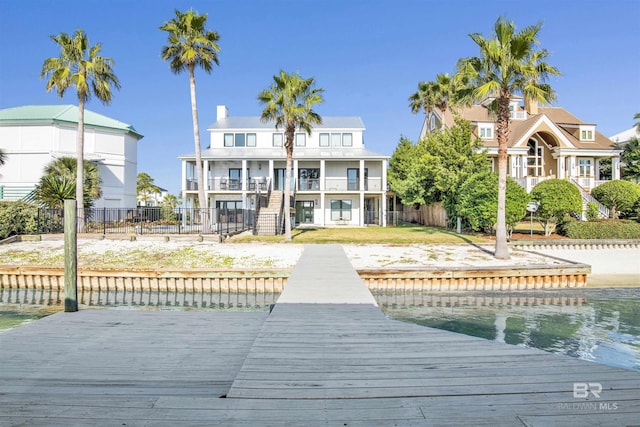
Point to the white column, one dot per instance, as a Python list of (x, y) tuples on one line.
[(322, 177), (295, 173), (560, 167), (184, 179), (615, 167), (571, 169), (513, 166), (597, 169), (244, 177), (323, 221), (271, 173), (361, 209), (361, 176), (383, 205)]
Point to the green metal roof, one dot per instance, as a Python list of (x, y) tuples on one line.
[(52, 114)]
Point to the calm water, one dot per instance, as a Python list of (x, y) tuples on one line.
[(601, 325)]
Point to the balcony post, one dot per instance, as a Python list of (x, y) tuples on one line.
[(184, 176), (615, 167)]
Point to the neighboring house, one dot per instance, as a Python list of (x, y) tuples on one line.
[(625, 136), (32, 136), (336, 180), (152, 199), (544, 142)]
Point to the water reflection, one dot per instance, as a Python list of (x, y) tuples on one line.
[(177, 300), (602, 325)]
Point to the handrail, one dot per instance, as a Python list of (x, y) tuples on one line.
[(603, 210)]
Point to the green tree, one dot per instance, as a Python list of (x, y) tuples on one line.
[(630, 159), (619, 196), (478, 201), (508, 64), (289, 103), (433, 170), (557, 198), (59, 183), (145, 187), (170, 201), (80, 66), (191, 45)]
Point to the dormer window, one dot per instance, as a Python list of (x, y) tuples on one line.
[(587, 133), (485, 130)]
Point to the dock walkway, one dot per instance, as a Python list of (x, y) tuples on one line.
[(326, 355)]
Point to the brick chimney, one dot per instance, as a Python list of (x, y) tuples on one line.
[(531, 106), (221, 112)]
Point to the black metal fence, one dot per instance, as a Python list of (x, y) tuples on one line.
[(153, 220)]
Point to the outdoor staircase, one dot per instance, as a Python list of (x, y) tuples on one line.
[(603, 211), (268, 217)]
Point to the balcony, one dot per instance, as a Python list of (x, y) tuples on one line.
[(344, 184)]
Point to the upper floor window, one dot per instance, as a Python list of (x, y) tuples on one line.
[(336, 139), (301, 139), (239, 139), (347, 140), (324, 140), (432, 123), (587, 133), (485, 130), (278, 139)]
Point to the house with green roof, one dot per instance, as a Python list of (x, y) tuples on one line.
[(32, 136)]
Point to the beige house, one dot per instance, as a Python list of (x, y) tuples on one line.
[(543, 143)]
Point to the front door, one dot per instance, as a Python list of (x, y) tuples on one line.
[(304, 212)]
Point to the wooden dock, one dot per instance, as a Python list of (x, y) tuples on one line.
[(326, 355)]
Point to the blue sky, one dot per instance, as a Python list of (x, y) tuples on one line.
[(368, 56)]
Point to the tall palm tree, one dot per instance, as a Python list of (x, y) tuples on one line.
[(3, 157), (508, 64), (191, 45), (289, 102), (637, 125), (80, 66)]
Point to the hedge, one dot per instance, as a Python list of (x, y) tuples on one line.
[(17, 218), (600, 229)]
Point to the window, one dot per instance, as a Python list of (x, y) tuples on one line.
[(585, 168), (301, 139), (336, 139), (239, 139), (309, 179), (324, 140), (341, 210), (485, 130), (278, 139), (534, 159), (586, 135), (347, 140), (432, 123)]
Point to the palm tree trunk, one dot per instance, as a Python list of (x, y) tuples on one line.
[(502, 249), (204, 212), (290, 132), (80, 166)]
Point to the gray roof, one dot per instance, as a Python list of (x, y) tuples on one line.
[(61, 114), (278, 153), (244, 123)]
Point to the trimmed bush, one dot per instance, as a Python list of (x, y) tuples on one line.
[(619, 196), (478, 202), (557, 198), (592, 211), (17, 218), (600, 229)]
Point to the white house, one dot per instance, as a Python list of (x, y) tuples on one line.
[(32, 136), (152, 199), (337, 181), (625, 136)]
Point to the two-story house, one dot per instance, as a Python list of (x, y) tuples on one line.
[(33, 136), (336, 180), (544, 142)]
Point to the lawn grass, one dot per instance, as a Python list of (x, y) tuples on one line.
[(402, 234)]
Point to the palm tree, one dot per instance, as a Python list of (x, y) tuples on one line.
[(3, 157), (508, 64), (637, 125), (59, 183), (80, 66), (289, 102), (191, 45), (434, 94), (170, 201)]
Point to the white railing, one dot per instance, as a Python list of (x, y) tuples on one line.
[(344, 184), (588, 198), (528, 182)]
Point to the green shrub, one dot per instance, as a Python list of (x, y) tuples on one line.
[(17, 218), (619, 196), (592, 211), (557, 198), (478, 202), (600, 229)]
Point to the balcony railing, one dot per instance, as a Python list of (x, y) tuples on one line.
[(344, 184), (309, 184)]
